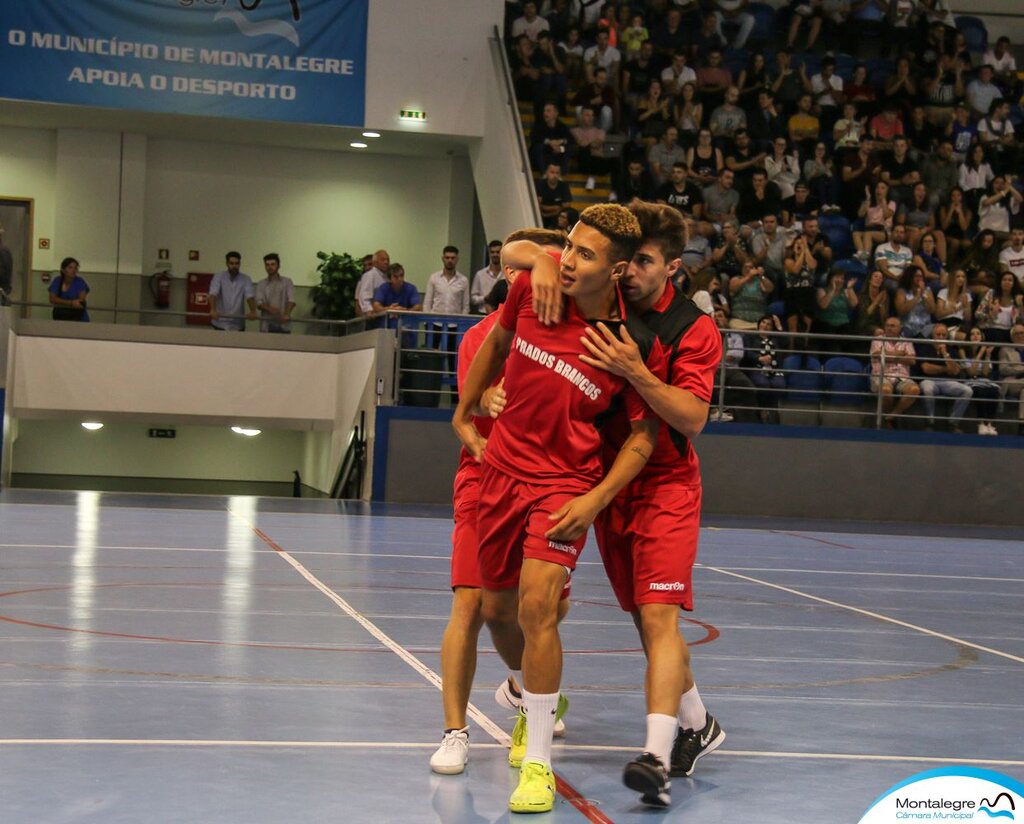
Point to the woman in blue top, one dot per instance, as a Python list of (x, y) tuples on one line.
[(68, 293)]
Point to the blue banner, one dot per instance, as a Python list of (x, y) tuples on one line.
[(300, 61)]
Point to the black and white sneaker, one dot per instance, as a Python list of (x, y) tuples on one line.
[(692, 745), (648, 776)]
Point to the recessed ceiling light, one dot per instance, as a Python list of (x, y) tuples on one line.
[(357, 145), (249, 433), (92, 426), (371, 134)]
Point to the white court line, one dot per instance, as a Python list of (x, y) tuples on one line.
[(416, 745), (872, 574), (870, 614), (496, 732)]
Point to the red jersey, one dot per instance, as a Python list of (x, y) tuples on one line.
[(694, 348), (469, 468), (548, 432)]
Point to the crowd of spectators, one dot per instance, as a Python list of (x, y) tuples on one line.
[(844, 167)]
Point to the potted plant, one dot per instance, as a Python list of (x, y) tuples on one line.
[(335, 297)]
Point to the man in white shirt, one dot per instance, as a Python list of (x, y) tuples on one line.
[(827, 89), (604, 56), (1003, 63), (371, 279), (447, 293), (275, 297), (677, 75), (531, 24), (982, 92), (484, 280), (893, 257), (1011, 259)]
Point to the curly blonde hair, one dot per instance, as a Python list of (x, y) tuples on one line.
[(616, 223)]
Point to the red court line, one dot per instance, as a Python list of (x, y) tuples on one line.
[(811, 538), (563, 787)]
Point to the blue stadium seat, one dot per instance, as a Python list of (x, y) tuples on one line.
[(811, 61), (777, 308), (879, 70), (974, 31), (845, 64), (837, 229), (804, 380), (764, 23), (844, 378)]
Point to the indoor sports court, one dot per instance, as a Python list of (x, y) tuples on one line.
[(179, 659)]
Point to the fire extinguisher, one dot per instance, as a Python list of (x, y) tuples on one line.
[(160, 286)]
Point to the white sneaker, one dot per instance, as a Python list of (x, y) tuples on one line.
[(591, 183), (722, 416), (451, 757), (613, 198), (504, 697), (989, 429)]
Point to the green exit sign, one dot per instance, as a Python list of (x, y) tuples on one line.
[(412, 114), (162, 433)]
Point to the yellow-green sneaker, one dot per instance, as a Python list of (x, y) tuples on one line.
[(536, 790), (518, 749)]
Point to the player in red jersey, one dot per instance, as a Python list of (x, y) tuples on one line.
[(648, 535), (541, 483), (459, 642)]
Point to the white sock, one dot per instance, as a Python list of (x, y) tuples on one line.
[(540, 718), (661, 733), (692, 712)]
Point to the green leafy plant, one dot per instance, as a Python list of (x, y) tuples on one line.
[(335, 297)]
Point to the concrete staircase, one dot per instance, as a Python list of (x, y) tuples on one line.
[(581, 197)]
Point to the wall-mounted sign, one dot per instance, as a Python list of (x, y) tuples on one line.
[(298, 61)]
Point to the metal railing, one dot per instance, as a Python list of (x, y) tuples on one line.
[(822, 379), (318, 326), (526, 168)]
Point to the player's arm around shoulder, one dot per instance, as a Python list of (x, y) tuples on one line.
[(677, 386)]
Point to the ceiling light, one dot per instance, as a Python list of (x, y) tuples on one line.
[(249, 433), (371, 134), (92, 426), (357, 145)]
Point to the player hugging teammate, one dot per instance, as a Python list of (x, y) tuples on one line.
[(630, 350)]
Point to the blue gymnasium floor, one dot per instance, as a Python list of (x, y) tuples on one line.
[(191, 659)]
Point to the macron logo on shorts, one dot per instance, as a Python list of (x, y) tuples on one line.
[(563, 547), (673, 586)]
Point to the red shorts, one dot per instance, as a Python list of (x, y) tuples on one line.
[(648, 542), (465, 546), (512, 517)]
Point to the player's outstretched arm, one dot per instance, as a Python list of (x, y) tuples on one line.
[(679, 408), (573, 519), (544, 275), (487, 363)]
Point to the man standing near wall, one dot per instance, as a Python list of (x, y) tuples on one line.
[(231, 293), (484, 280), (370, 280), (275, 297), (447, 293)]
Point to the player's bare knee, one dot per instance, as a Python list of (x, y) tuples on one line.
[(498, 609), (659, 622), (536, 611), (467, 611)]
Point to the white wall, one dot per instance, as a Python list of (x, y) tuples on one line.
[(214, 197), (429, 55), (28, 169), (124, 449)]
